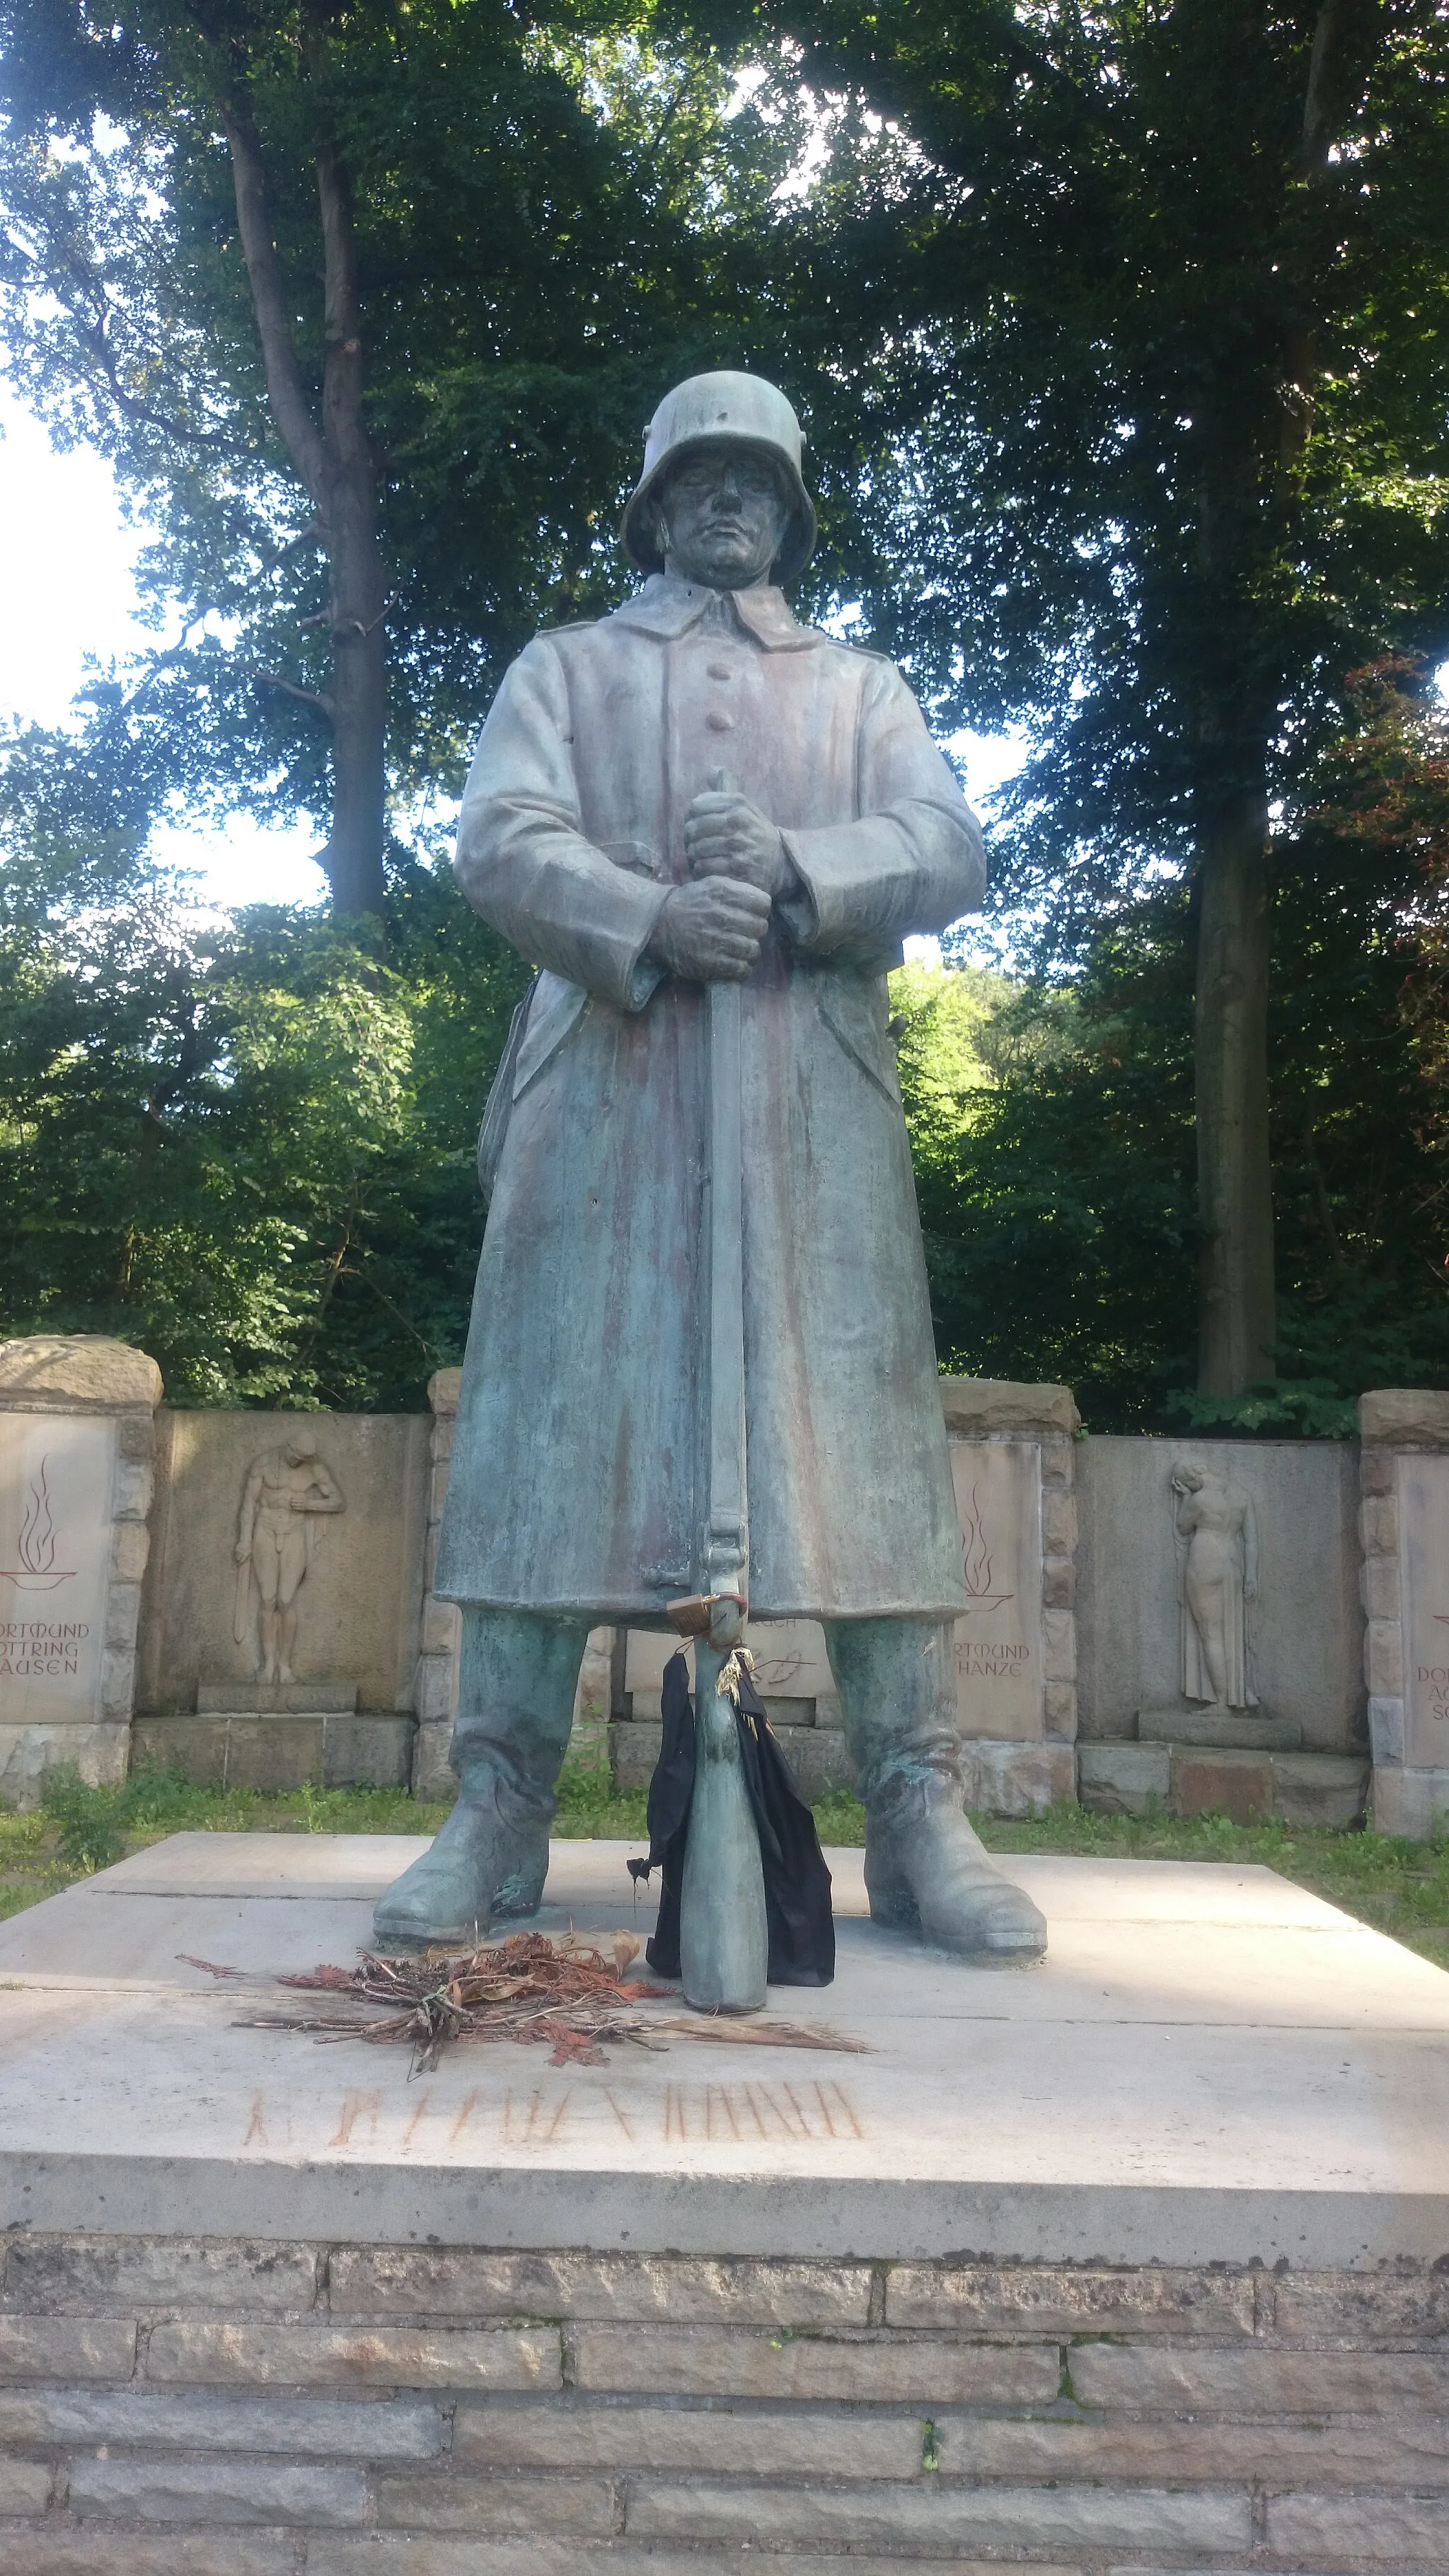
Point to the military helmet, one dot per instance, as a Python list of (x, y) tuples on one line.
[(722, 405)]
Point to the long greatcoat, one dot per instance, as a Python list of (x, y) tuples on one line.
[(579, 1480)]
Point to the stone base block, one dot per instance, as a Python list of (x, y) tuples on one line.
[(817, 1756), (1017, 1779), (1120, 1778), (28, 1752), (432, 1778), (163, 2414), (335, 1749), (1124, 1779), (1411, 1802), (274, 1699), (1235, 1729)]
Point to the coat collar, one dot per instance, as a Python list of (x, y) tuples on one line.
[(668, 607)]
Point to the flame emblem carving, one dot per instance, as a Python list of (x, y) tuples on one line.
[(36, 1569), (976, 1560)]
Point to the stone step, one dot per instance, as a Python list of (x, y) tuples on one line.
[(257, 1749), (275, 1699), (1120, 1777)]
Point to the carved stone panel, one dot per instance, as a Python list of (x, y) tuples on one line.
[(999, 1663), (1423, 1479), (56, 1478), (1218, 1593)]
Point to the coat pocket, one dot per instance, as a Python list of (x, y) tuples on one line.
[(854, 1010)]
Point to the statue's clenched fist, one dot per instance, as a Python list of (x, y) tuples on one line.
[(726, 836), (711, 932)]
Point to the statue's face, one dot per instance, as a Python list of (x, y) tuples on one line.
[(723, 513)]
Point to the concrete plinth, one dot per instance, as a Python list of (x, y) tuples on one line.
[(1131, 2260)]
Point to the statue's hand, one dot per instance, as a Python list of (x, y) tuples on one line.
[(711, 932), (726, 836), (241, 1551)]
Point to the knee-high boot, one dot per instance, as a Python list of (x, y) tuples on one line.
[(925, 1870), (516, 1683)]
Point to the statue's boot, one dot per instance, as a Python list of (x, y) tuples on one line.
[(925, 1870), (516, 1684)]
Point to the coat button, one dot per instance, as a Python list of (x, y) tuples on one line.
[(719, 723)]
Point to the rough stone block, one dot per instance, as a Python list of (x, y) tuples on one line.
[(194, 1746), (25, 2487), (1410, 1802), (1405, 1417), (976, 1408), (83, 2550), (321, 2428), (1239, 1785), (1059, 1521), (387, 2553), (1384, 1658), (700, 2362), (1059, 1710), (1059, 1645), (367, 1752), (441, 1627), (123, 1611), (508, 2502), (937, 2514), (432, 1777), (68, 2272), (220, 2490), (1211, 2453), (719, 2441), (274, 1752), (1120, 1779), (1261, 2381), (1339, 2529), (401, 2281), (130, 1547), (1378, 1515), (1388, 2307), (1386, 1729), (66, 2347), (1017, 1779), (133, 1485), (1058, 1583), (1042, 2300), (356, 2356), (28, 1752), (436, 1689), (76, 1373), (118, 1681), (1379, 1588), (1319, 1788)]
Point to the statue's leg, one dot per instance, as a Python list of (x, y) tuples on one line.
[(925, 1870), (516, 1683)]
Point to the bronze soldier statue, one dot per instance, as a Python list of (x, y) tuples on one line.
[(699, 790)]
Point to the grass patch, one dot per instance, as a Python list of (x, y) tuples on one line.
[(1400, 1887)]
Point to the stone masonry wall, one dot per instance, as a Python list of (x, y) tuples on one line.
[(172, 2408)]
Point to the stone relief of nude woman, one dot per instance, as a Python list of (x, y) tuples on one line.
[(1216, 1529)]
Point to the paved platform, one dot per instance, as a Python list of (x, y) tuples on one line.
[(1211, 2066)]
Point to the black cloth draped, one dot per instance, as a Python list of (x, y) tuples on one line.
[(797, 1882)]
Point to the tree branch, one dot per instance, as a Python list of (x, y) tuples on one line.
[(290, 406), (316, 698)]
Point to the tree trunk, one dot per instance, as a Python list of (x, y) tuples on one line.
[(1234, 1174), (334, 460)]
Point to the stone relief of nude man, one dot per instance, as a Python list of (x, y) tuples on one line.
[(1216, 1528), (287, 1492)]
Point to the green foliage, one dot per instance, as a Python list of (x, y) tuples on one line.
[(241, 1142), (555, 218)]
